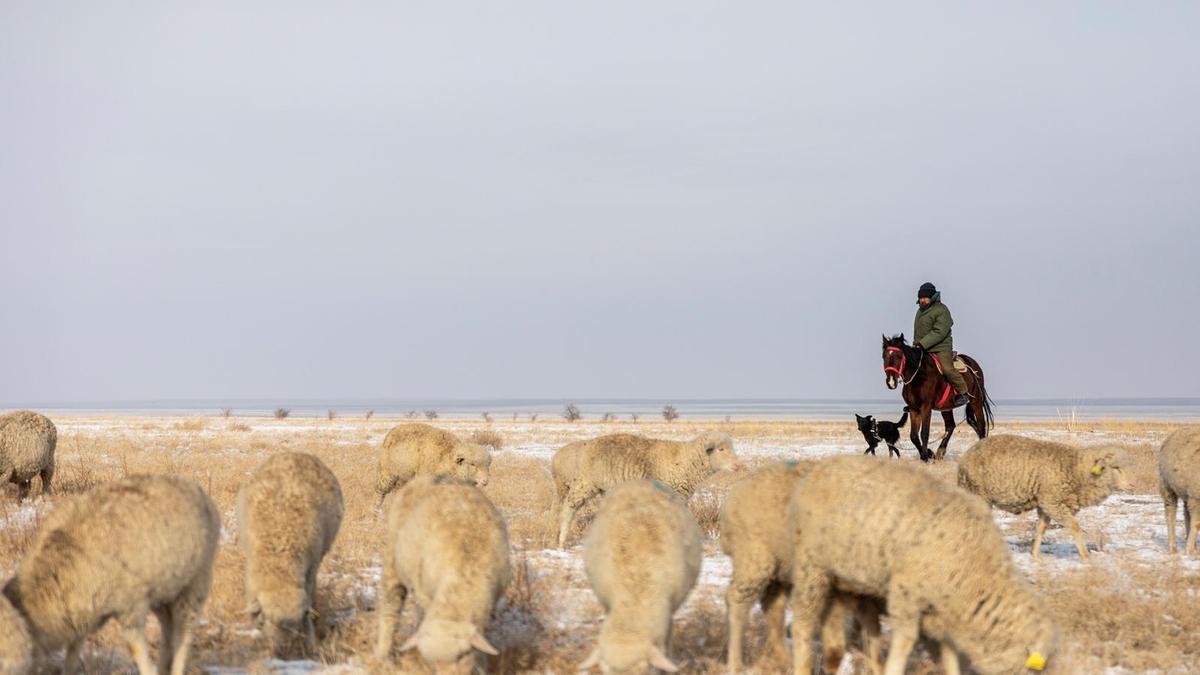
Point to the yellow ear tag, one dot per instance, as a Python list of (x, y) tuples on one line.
[(1097, 470), (1035, 661)]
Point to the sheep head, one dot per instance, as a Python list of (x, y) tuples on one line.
[(718, 448), (442, 641), (472, 463), (618, 657), (1106, 470)]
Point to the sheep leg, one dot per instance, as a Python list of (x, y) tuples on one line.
[(904, 636), (47, 474), (135, 635), (1170, 504), (166, 626), (737, 607), (391, 604), (1187, 521), (1077, 534), (1193, 524), (22, 490), (868, 619), (950, 664), (1039, 532), (310, 617), (810, 597), (73, 659), (833, 633), (774, 600)]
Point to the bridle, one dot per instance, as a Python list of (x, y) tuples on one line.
[(903, 362)]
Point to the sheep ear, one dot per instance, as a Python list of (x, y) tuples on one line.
[(410, 644), (660, 661), (479, 642), (591, 661)]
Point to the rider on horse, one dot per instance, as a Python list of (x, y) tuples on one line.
[(931, 332)]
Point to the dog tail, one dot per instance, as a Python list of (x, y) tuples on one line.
[(903, 418)]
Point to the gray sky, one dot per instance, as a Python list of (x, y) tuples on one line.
[(671, 199)]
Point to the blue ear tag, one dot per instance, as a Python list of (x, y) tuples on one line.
[(791, 463), (663, 487)]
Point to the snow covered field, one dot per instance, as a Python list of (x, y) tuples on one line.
[(1133, 608)]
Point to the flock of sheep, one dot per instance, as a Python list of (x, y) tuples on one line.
[(840, 541)]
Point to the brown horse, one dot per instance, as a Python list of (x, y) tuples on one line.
[(925, 390)]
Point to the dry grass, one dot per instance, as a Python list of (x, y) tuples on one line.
[(1134, 616)]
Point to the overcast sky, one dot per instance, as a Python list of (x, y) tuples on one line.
[(562, 199)]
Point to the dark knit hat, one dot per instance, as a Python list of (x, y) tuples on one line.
[(927, 290)]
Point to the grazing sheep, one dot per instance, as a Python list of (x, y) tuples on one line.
[(27, 441), (142, 544), (1018, 474), (588, 468), (642, 556), (1179, 478), (288, 514), (931, 551), (447, 545), (755, 535), (411, 450)]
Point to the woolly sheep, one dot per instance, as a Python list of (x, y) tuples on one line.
[(1019, 474), (1179, 479), (27, 441), (288, 514), (145, 543), (754, 533), (931, 551), (448, 546), (588, 468), (411, 450), (642, 556)]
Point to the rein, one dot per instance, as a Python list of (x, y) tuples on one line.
[(903, 362)]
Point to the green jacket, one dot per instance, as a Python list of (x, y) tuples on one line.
[(931, 328)]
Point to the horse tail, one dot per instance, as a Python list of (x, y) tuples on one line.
[(988, 416)]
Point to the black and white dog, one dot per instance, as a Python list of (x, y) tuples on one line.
[(886, 432)]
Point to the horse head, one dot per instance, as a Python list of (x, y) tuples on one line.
[(895, 359)]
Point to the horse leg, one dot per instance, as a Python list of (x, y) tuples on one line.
[(926, 422), (948, 418), (914, 432)]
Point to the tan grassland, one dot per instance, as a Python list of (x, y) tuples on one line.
[(1126, 612)]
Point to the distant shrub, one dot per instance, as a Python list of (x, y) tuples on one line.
[(331, 414), (533, 417), (571, 413), (634, 417), (412, 414), (669, 413), (369, 415), (607, 417), (281, 413), (431, 414), (226, 412), (487, 417), (489, 438)]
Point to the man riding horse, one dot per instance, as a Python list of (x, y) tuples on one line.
[(932, 332)]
